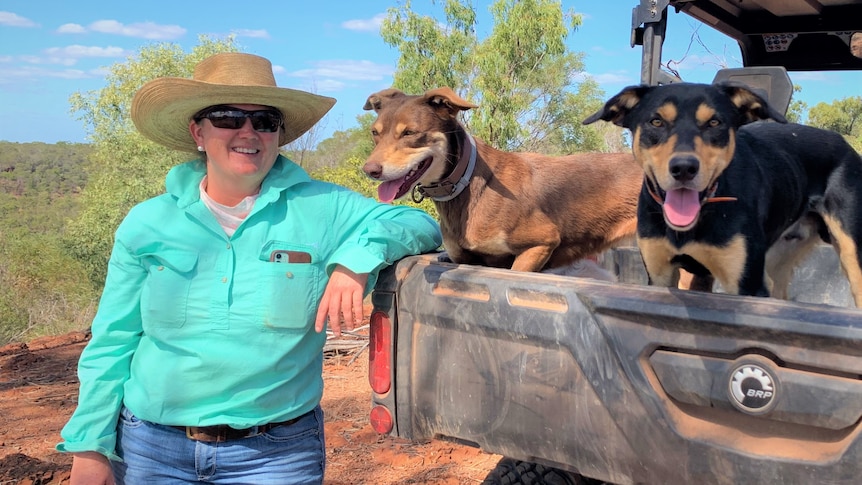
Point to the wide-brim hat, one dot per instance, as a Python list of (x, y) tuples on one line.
[(163, 107)]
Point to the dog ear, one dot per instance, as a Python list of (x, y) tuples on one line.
[(617, 108), (750, 102), (446, 98), (376, 100)]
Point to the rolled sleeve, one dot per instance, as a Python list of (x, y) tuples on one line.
[(382, 235)]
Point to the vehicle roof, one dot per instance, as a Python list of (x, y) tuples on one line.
[(801, 35)]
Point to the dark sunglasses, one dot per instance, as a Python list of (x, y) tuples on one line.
[(228, 117)]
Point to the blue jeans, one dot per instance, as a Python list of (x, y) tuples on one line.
[(285, 455)]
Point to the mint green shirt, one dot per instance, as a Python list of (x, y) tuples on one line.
[(196, 328)]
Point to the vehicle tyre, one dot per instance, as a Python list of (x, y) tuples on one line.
[(515, 472)]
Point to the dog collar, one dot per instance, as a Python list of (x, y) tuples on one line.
[(710, 196), (455, 182)]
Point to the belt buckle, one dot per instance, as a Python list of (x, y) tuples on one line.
[(195, 433)]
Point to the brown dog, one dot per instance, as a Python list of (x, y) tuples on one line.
[(522, 211)]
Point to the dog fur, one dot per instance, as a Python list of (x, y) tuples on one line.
[(523, 211), (722, 188)]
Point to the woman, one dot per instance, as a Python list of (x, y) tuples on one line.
[(205, 363)]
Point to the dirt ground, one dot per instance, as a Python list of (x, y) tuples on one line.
[(39, 390)]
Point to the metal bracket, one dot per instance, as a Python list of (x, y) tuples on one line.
[(649, 23)]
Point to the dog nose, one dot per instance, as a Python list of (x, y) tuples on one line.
[(684, 168), (373, 170)]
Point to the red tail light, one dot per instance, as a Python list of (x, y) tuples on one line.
[(381, 419), (380, 345)]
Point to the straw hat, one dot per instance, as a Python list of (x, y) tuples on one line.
[(162, 108)]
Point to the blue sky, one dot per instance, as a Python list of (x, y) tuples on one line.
[(51, 49)]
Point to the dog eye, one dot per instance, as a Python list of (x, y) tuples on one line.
[(713, 123), (657, 122), (374, 132), (408, 133)]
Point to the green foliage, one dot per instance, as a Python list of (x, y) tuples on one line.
[(843, 116), (40, 167), (520, 75), (432, 55), (349, 174), (126, 167), (43, 290), (797, 108), (341, 146)]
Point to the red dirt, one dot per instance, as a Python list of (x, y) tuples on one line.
[(39, 390)]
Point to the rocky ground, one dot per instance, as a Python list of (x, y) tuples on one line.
[(38, 391)]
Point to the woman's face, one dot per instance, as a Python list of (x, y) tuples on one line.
[(237, 159)]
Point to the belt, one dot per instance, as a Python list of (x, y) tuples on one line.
[(222, 432)]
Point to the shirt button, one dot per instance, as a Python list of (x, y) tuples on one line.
[(161, 268), (289, 275), (228, 246), (224, 280)]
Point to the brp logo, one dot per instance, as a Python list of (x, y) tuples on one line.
[(752, 388)]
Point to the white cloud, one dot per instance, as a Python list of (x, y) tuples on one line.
[(79, 51), (70, 74), (29, 59), (143, 30), (615, 77), (811, 76), (604, 51), (70, 55), (71, 29), (86, 51), (29, 75), (365, 25), (346, 69), (696, 62), (327, 86), (10, 19), (256, 34)]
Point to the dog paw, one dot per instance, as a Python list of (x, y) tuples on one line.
[(443, 257)]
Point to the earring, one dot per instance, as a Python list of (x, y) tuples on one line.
[(200, 148)]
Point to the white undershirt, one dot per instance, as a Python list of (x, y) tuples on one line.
[(228, 217)]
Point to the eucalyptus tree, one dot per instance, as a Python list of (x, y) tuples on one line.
[(522, 75), (125, 168), (843, 116)]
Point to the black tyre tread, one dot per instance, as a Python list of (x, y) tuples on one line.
[(515, 472)]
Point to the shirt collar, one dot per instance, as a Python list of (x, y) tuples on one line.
[(183, 181)]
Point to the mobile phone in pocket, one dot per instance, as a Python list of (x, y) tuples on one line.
[(286, 256)]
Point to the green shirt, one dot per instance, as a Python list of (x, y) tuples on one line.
[(196, 328)]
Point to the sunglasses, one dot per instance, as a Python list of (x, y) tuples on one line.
[(228, 117)]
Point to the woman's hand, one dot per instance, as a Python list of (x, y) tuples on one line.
[(342, 297), (91, 468)]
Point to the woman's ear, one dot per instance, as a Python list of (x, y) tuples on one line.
[(195, 130)]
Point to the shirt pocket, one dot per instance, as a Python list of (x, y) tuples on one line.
[(165, 297), (289, 292)]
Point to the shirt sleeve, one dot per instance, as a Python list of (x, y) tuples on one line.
[(377, 234), (104, 364)]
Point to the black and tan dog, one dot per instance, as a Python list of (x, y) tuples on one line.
[(721, 189), (524, 211)]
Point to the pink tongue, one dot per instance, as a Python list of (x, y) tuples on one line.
[(388, 191), (681, 207)]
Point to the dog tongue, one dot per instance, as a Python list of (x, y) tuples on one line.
[(389, 191), (681, 206)]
